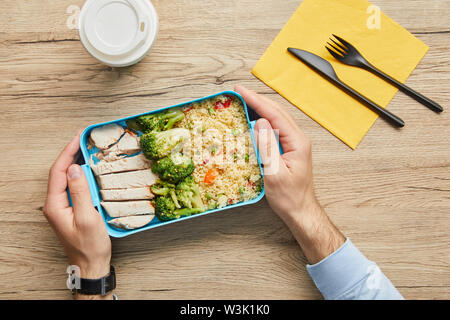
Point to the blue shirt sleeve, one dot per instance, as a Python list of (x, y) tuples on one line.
[(347, 274)]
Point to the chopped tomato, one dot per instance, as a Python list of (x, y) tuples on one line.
[(223, 105), (210, 176), (188, 109), (230, 201)]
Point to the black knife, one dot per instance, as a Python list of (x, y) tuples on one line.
[(324, 68)]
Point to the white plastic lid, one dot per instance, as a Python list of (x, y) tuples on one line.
[(118, 32)]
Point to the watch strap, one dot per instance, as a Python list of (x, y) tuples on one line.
[(98, 286)]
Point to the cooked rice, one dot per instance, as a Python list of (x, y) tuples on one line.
[(221, 139)]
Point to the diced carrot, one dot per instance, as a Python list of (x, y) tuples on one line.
[(210, 176)]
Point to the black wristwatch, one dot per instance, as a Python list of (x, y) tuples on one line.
[(98, 286)]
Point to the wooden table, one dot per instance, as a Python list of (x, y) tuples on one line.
[(391, 196)]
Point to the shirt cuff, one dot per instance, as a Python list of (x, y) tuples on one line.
[(340, 271)]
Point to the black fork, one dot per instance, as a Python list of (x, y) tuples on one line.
[(346, 53)]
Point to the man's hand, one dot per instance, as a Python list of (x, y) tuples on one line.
[(288, 178), (80, 229)]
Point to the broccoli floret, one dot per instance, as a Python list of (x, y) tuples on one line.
[(165, 209), (174, 202), (150, 122), (160, 121), (174, 167), (189, 194), (162, 188), (164, 206), (187, 211), (156, 145)]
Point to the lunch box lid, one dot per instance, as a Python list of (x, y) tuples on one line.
[(118, 32)]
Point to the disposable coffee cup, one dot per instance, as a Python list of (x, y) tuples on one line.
[(118, 33)]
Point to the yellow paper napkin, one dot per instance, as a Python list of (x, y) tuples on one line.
[(391, 48)]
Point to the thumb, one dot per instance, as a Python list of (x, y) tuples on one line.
[(79, 191), (268, 147)]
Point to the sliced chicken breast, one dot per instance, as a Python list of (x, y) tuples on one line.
[(132, 222), (103, 137), (128, 144), (125, 180), (138, 162), (128, 208), (127, 194)]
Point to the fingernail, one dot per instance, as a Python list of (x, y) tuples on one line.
[(263, 124), (74, 172)]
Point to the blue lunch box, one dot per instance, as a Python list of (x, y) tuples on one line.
[(94, 189)]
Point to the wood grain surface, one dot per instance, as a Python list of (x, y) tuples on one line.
[(391, 196)]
